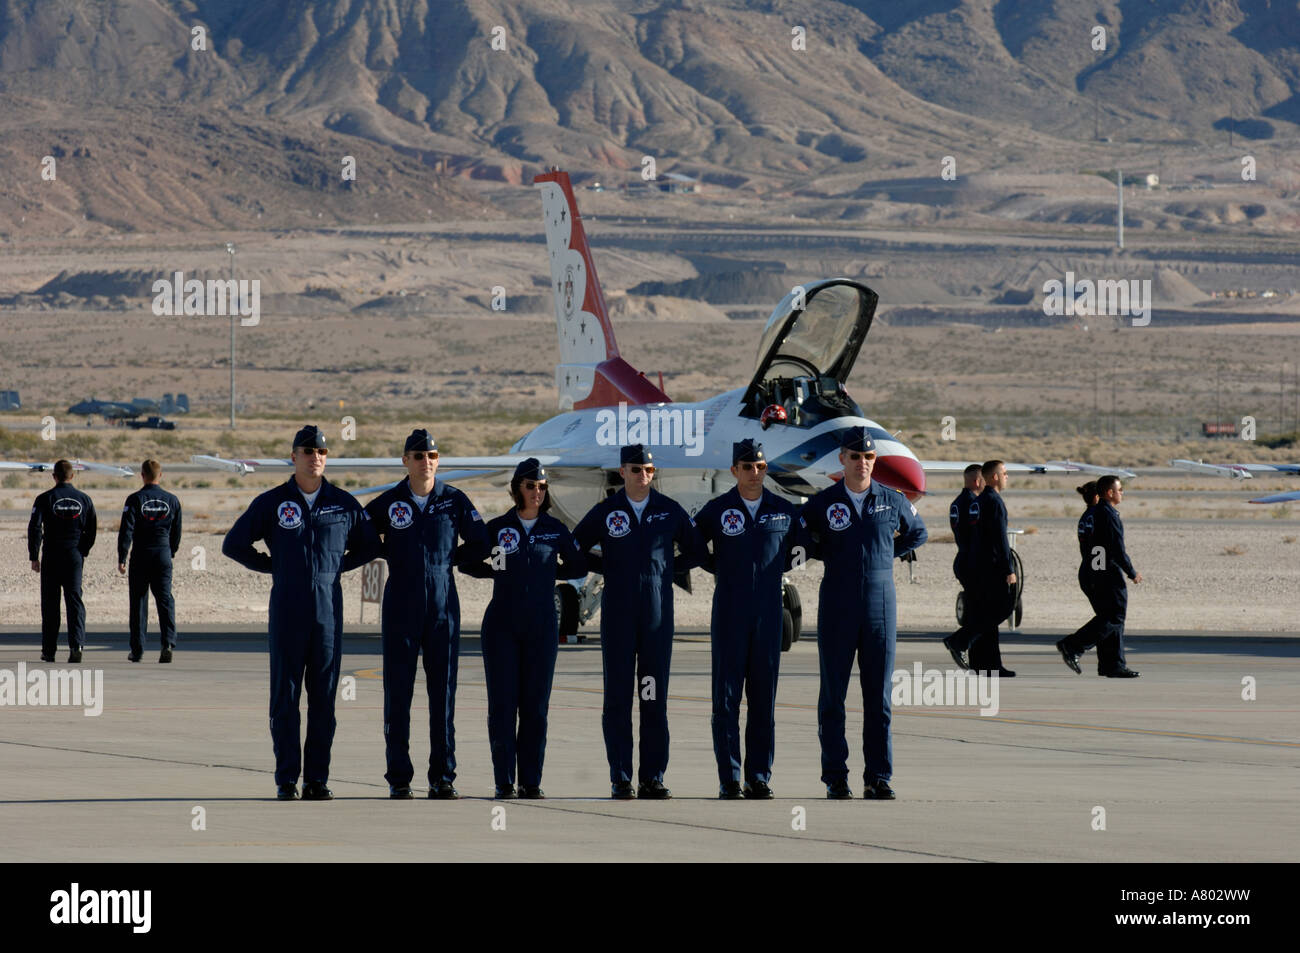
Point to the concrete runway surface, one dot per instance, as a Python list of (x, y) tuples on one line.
[(1183, 767)]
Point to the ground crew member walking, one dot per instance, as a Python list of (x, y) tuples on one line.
[(1090, 629), (992, 581), (1108, 563), (637, 529), (753, 532), (315, 532), (963, 517), (151, 519), (851, 527), (419, 520), (64, 518), (521, 633)]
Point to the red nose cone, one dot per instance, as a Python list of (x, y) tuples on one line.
[(902, 473)]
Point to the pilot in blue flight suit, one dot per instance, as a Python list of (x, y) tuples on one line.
[(851, 527), (753, 532), (64, 519), (521, 633), (151, 532), (1106, 589), (315, 532), (637, 529), (419, 520)]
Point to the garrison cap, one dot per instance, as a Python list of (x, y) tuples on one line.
[(420, 440), (635, 453), (747, 451), (310, 436), (530, 469), (857, 439)]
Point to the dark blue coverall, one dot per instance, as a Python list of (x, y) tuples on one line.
[(65, 519), (1105, 588), (309, 551), (963, 517), (856, 615), (521, 637), (748, 558), (636, 620), (994, 598), (151, 533), (421, 612)]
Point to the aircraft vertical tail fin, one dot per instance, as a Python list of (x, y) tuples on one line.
[(590, 372)]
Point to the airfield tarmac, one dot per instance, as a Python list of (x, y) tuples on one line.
[(1183, 767)]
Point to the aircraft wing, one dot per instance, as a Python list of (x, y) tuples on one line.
[(473, 466), (1279, 497), (1051, 466), (1237, 471), (76, 465)]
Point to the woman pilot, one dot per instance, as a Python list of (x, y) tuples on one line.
[(520, 628)]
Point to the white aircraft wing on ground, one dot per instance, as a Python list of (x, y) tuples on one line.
[(36, 467)]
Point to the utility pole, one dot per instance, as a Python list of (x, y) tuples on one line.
[(234, 309), (1119, 218)]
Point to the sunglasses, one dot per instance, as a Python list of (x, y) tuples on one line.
[(748, 467), (423, 454), (638, 467), (533, 485), (312, 451), (855, 455)]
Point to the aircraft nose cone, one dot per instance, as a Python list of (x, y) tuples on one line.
[(902, 473)]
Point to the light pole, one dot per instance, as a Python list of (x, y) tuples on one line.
[(234, 308)]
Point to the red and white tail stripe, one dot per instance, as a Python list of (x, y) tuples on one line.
[(590, 372)]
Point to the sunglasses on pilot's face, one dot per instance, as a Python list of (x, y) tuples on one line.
[(751, 467), (531, 485), (638, 467), (855, 455), (423, 454), (312, 451)]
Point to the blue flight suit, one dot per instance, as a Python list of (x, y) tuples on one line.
[(749, 556), (521, 637), (636, 620), (151, 533), (1106, 590), (64, 518), (991, 564), (309, 552), (856, 615), (963, 517), (421, 612)]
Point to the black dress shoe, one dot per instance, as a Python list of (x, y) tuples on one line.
[(1006, 673), (443, 791), (505, 792), (1071, 659), (839, 791), (286, 792), (878, 790), (534, 793), (758, 791), (1120, 673), (316, 791), (134, 656), (47, 658), (729, 791), (73, 657), (400, 792), (960, 656), (165, 656), (622, 791), (653, 791)]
